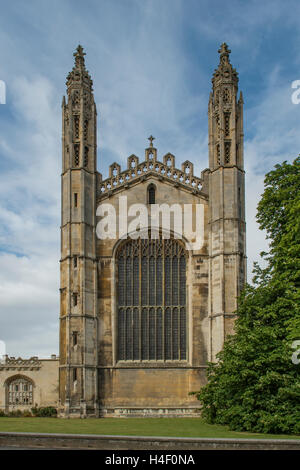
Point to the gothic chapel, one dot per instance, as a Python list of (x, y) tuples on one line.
[(140, 318)]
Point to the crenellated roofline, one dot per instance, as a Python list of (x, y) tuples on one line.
[(151, 167)]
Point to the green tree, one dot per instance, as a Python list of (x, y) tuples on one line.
[(255, 385)]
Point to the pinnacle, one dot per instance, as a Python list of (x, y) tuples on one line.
[(79, 57), (79, 74), (224, 49)]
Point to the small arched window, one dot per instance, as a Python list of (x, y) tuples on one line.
[(151, 194), (20, 391)]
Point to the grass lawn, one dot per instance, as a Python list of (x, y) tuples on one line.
[(176, 427)]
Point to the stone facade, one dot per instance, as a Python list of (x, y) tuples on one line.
[(115, 361), (25, 383)]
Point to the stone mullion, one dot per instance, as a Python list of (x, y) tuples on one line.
[(148, 306), (155, 303), (124, 333), (131, 327), (132, 296), (178, 302), (163, 301), (171, 301), (140, 299), (132, 277), (132, 301)]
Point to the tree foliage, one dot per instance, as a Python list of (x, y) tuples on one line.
[(255, 385)]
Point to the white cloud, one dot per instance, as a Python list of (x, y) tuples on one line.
[(29, 213)]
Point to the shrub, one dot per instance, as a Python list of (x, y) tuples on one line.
[(15, 414), (44, 412)]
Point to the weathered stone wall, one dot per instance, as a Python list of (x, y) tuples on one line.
[(42, 372), (150, 385), (187, 444)]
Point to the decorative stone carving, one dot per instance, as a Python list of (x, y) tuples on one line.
[(136, 170)]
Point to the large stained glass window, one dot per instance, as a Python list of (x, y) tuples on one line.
[(151, 289)]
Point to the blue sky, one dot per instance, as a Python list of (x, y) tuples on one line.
[(151, 62)]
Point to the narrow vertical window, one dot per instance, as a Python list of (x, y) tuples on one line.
[(76, 126), (182, 334), (75, 199), (85, 129), (121, 284), (168, 350), (227, 124), (167, 281), (145, 334), (218, 154), (227, 152), (86, 156), (151, 194), (129, 334), (175, 329), (159, 332), (121, 334), (136, 279), (136, 334), (152, 334), (76, 154), (75, 338)]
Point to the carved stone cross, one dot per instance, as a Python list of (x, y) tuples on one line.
[(151, 138)]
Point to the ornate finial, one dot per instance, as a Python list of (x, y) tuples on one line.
[(225, 71), (224, 52), (151, 138), (79, 74), (224, 49), (79, 57)]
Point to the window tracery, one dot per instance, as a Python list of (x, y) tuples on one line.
[(20, 392), (151, 290)]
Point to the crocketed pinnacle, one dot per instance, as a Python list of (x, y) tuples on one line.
[(79, 57), (79, 74)]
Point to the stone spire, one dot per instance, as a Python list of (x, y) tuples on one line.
[(79, 75), (226, 199), (225, 115), (225, 73)]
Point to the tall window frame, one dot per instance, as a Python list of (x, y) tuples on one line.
[(151, 307), (151, 194)]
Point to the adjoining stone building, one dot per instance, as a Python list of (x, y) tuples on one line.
[(141, 317), (26, 383)]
